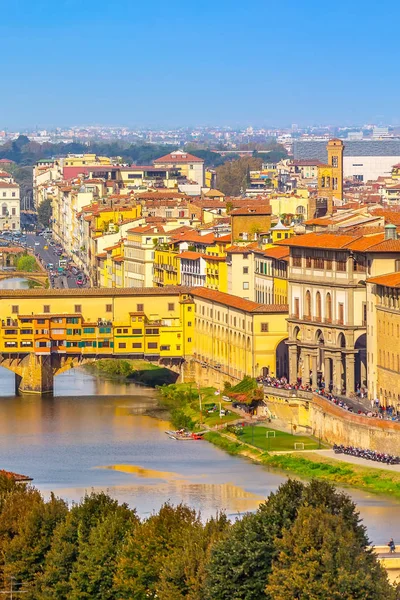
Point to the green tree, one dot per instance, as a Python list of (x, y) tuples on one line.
[(25, 551), (27, 264), (184, 570), (94, 570), (320, 557), (143, 555), (45, 212), (54, 583), (233, 176), (239, 565)]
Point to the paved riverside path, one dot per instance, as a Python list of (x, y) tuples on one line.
[(354, 460)]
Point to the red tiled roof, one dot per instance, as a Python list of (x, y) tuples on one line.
[(390, 280), (191, 255), (386, 246), (251, 210), (236, 302), (282, 253), (178, 157), (4, 184), (318, 240), (194, 236)]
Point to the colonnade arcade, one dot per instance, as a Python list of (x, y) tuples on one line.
[(338, 366)]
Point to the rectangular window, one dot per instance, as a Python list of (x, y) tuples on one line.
[(26, 331), (189, 340), (58, 331), (165, 348), (136, 345), (140, 307), (245, 270), (10, 344), (26, 344), (171, 306), (72, 320), (189, 323), (78, 308), (152, 345), (264, 327), (13, 210), (341, 265), (40, 321), (119, 330), (296, 307), (245, 285), (108, 307), (46, 308), (296, 261), (178, 347), (56, 320), (88, 330), (136, 331), (15, 309), (122, 345), (341, 313), (318, 263), (308, 262), (152, 331), (124, 331)]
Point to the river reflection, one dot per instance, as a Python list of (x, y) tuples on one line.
[(91, 435)]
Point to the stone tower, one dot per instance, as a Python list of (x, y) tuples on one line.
[(330, 180)]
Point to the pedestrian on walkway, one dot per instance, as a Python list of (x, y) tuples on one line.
[(392, 546)]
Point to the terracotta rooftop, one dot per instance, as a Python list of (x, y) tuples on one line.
[(94, 292), (251, 210), (386, 246), (370, 243), (236, 302), (234, 249), (280, 253), (4, 184), (191, 255), (178, 157), (390, 280)]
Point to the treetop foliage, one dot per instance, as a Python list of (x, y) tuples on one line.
[(305, 542)]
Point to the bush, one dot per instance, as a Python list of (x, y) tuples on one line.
[(181, 421)]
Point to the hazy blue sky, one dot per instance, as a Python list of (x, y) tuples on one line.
[(175, 63)]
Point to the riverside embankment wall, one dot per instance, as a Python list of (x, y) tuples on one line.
[(333, 424), (337, 426)]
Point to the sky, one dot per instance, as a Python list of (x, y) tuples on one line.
[(207, 62)]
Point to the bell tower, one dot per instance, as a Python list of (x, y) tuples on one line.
[(335, 150)]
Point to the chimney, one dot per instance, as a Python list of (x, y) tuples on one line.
[(390, 232)]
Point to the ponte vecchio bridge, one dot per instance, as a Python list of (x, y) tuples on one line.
[(45, 332)]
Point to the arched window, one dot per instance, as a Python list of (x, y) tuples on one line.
[(328, 311), (308, 304), (318, 306)]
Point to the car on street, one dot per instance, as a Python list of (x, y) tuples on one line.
[(37, 243)]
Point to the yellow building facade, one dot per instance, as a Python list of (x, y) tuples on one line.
[(237, 337)]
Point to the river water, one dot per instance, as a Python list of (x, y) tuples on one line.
[(91, 435)]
